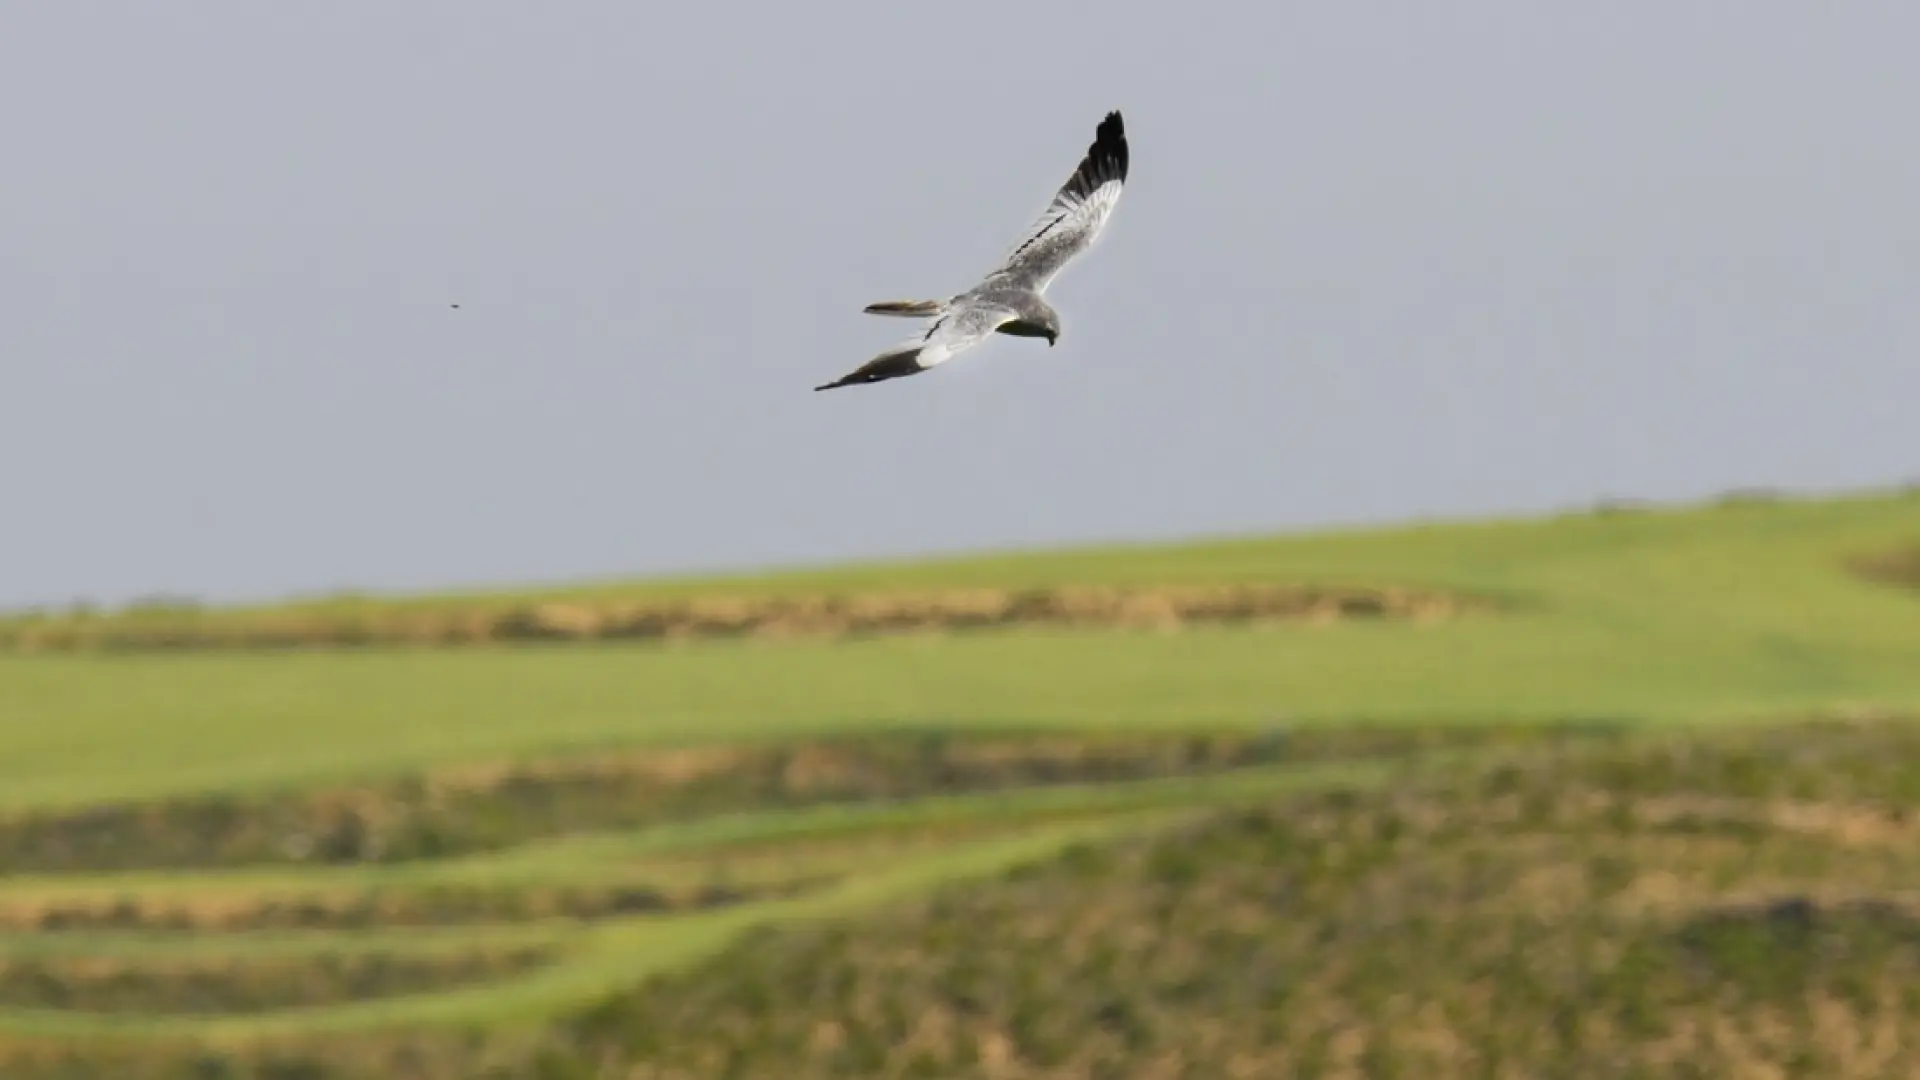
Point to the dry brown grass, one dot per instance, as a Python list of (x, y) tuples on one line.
[(827, 616), (359, 908), (1898, 566), (199, 986)]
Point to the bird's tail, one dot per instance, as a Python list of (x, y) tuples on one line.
[(906, 308)]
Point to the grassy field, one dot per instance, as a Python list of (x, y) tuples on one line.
[(446, 860), (1703, 613), (1701, 906)]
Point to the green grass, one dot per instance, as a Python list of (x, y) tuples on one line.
[(1713, 906), (602, 958), (1691, 624), (1704, 613), (347, 980), (1010, 828), (591, 856), (1730, 901)]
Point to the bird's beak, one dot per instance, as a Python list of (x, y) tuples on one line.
[(1050, 340)]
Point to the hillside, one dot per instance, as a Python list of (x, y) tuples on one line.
[(1730, 903), (1686, 907), (1739, 609), (435, 858)]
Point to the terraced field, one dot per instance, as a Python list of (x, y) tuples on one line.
[(664, 855), (547, 884), (1745, 903)]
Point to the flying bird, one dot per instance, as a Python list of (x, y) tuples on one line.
[(1008, 300)]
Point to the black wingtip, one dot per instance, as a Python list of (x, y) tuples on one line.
[(891, 364), (1107, 158)]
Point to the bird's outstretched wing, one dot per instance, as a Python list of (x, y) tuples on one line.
[(1073, 220), (954, 331)]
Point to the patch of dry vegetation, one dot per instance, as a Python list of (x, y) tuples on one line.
[(217, 987), (364, 909), (826, 616), (1899, 566)]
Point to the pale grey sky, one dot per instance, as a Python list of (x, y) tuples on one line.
[(1374, 261)]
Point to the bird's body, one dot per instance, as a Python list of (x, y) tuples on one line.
[(1008, 300)]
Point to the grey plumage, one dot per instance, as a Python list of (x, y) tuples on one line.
[(1008, 300)]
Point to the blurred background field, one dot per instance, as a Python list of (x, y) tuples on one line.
[(1744, 608), (481, 857)]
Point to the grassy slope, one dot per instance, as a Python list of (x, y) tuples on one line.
[(1701, 613), (602, 957), (1714, 613), (1716, 907), (1727, 902)]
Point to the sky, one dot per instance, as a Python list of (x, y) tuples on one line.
[(1375, 262)]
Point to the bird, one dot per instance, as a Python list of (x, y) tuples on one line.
[(1008, 300)]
